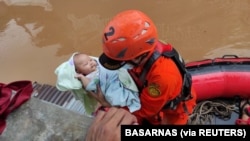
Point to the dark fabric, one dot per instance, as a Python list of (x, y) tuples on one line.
[(12, 96), (109, 63)]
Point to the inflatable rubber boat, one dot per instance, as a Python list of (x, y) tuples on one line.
[(220, 84), (225, 77)]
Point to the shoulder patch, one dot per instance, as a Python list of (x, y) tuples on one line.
[(153, 90)]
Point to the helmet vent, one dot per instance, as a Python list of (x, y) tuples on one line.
[(150, 41), (146, 25), (143, 31), (119, 39)]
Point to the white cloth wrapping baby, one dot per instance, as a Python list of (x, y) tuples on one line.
[(117, 86)]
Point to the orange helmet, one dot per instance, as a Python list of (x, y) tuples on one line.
[(128, 35)]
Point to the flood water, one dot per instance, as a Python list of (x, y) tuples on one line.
[(37, 35)]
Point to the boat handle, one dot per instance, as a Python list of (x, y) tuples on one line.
[(230, 56)]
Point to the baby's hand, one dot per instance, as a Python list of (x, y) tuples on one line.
[(79, 76), (83, 79)]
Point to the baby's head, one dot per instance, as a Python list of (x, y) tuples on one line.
[(84, 64)]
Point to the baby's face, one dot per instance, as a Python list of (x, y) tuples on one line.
[(84, 64)]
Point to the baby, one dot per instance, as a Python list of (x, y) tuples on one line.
[(117, 86), (87, 70)]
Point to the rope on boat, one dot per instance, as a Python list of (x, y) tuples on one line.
[(205, 111)]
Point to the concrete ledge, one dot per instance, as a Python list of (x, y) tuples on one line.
[(37, 120)]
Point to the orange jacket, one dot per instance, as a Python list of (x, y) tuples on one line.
[(164, 83)]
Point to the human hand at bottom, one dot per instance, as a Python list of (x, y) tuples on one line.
[(107, 125)]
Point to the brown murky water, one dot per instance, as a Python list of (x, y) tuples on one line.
[(37, 35)]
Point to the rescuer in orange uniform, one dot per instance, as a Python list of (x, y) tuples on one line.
[(131, 38)]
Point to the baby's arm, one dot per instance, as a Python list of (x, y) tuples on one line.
[(85, 81)]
